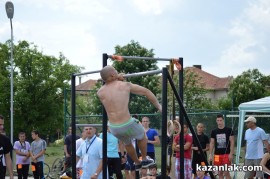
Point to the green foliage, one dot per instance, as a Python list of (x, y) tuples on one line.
[(39, 81), (248, 86), (138, 104), (224, 103), (194, 92)]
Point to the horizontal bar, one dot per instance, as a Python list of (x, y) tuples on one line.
[(142, 58), (88, 125), (142, 73), (86, 73)]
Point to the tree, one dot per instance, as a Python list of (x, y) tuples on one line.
[(248, 86), (138, 104), (39, 81), (194, 92)]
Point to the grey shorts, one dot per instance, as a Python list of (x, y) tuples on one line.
[(128, 131), (253, 162)]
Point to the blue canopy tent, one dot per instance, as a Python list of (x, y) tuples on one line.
[(259, 105)]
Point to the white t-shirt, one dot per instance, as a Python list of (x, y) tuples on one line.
[(255, 140), (78, 144)]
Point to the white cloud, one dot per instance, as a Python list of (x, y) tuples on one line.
[(249, 40), (149, 6), (259, 13)]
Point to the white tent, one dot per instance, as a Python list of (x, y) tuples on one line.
[(259, 105)]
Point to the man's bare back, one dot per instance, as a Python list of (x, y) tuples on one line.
[(114, 95), (115, 98)]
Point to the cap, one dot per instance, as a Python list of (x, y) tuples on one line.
[(251, 119)]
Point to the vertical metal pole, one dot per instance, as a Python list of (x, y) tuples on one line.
[(73, 124), (104, 128), (11, 83), (164, 122), (181, 119), (65, 112)]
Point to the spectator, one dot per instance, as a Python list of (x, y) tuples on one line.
[(265, 163), (222, 138), (152, 136), (37, 151), (22, 149), (5, 150), (153, 170), (90, 152), (255, 138), (68, 148), (197, 156), (167, 174), (187, 154), (79, 163), (113, 160), (201, 175)]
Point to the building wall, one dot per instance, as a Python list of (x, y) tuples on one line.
[(217, 94)]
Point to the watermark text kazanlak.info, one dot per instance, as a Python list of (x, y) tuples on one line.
[(229, 168)]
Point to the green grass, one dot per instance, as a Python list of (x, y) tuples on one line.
[(54, 152)]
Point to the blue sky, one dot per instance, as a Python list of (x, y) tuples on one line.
[(226, 37)]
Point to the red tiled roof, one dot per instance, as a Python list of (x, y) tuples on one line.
[(211, 81), (87, 85)]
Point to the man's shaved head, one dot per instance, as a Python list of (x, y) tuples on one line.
[(106, 72)]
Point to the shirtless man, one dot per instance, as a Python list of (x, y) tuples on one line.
[(114, 95)]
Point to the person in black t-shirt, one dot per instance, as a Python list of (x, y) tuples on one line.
[(5, 150), (197, 158), (68, 148), (222, 138)]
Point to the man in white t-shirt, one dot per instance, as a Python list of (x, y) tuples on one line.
[(255, 138), (79, 163)]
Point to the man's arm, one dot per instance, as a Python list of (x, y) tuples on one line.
[(211, 147), (39, 154), (206, 148), (66, 152), (136, 89), (98, 170), (267, 145), (156, 140), (265, 158), (9, 164)]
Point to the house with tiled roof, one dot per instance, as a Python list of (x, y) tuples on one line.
[(218, 87), (85, 87)]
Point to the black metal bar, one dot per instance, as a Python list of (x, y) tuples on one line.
[(181, 119), (164, 122), (188, 122), (104, 128), (142, 58), (73, 124)]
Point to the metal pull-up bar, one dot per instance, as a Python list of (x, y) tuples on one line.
[(153, 72), (120, 58)]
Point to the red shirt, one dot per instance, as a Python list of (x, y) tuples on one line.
[(187, 153)]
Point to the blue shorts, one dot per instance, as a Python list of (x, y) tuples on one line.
[(128, 131)]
